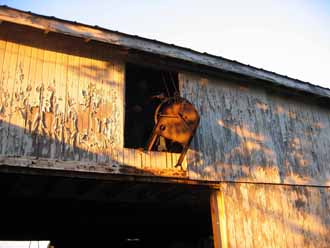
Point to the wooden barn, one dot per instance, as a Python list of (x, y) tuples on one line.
[(79, 105)]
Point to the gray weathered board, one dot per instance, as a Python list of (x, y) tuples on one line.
[(249, 134)]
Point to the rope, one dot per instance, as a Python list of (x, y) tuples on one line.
[(176, 92), (164, 81)]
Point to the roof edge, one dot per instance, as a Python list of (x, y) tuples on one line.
[(88, 32)]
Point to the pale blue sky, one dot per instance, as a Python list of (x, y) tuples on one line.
[(290, 37)]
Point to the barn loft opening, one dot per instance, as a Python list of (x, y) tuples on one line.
[(145, 89)]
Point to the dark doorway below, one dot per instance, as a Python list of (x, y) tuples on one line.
[(80, 213)]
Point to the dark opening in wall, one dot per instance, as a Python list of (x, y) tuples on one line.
[(145, 89)]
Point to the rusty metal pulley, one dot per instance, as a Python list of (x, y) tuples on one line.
[(176, 119)]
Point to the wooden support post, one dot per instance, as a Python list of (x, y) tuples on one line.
[(218, 219)]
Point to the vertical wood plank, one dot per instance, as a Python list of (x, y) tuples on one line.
[(17, 121), (72, 152), (169, 160), (148, 160), (46, 113), (218, 217), (31, 104), (118, 130), (24, 99), (175, 159), (59, 127), (66, 144), (40, 88), (52, 111), (83, 114), (104, 111), (11, 85), (14, 84), (3, 91), (138, 159), (143, 159), (2, 52), (156, 159), (96, 84), (162, 158)]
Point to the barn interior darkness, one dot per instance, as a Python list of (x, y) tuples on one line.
[(146, 87), (80, 212)]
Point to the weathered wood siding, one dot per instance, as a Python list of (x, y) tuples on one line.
[(265, 215), (249, 134), (62, 98), (58, 99)]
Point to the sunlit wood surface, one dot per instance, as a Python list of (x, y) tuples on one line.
[(63, 99), (264, 215), (251, 134)]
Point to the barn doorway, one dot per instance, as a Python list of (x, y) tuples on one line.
[(74, 212), (145, 89)]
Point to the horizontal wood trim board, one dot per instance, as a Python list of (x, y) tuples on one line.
[(88, 166)]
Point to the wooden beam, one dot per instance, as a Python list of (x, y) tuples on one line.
[(155, 47), (88, 166), (218, 220), (79, 169)]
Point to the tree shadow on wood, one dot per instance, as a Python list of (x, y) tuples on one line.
[(278, 215), (239, 153)]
